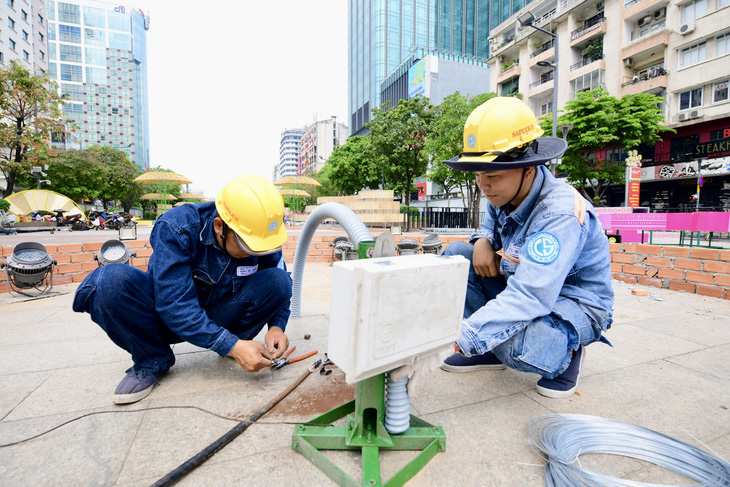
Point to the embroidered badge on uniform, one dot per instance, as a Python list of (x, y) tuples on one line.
[(543, 247)]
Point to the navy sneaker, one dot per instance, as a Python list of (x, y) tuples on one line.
[(566, 383), (459, 363), (135, 386)]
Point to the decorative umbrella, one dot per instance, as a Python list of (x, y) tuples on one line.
[(297, 180), (193, 196), (162, 177), (157, 196), (180, 203), (295, 192)]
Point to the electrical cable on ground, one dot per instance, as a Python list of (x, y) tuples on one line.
[(564, 437)]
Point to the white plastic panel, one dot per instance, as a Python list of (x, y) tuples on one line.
[(385, 312)]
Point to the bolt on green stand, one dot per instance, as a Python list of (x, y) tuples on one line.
[(365, 431)]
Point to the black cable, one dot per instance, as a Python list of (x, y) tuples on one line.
[(238, 420)]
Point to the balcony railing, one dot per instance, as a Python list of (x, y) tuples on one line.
[(547, 46), (653, 73), (589, 26), (586, 62), (543, 79)]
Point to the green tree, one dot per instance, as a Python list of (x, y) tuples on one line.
[(602, 121), (398, 135), (354, 166), (76, 175), (30, 109), (447, 141), (119, 173)]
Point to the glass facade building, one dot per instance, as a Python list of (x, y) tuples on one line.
[(98, 57), (384, 34)]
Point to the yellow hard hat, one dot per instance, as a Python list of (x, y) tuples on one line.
[(503, 133), (253, 208)]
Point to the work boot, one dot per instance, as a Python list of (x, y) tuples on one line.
[(459, 363), (135, 386), (566, 383)]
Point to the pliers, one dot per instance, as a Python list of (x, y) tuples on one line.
[(282, 361)]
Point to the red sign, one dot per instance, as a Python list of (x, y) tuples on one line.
[(634, 183)]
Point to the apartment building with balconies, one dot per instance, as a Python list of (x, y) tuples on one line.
[(678, 50)]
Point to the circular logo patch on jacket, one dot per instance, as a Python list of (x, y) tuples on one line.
[(543, 247)]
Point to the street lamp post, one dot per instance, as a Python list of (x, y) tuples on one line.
[(526, 20)]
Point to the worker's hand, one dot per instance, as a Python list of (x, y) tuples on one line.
[(251, 355), (276, 342), (485, 260), (421, 367)]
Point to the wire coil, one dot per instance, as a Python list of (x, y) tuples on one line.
[(564, 437)]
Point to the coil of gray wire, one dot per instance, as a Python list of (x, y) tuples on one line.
[(564, 437)]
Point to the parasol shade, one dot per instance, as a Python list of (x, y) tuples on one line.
[(162, 177), (180, 203), (294, 192), (157, 196), (192, 196), (296, 180)]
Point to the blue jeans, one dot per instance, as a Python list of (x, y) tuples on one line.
[(542, 346), (120, 299)]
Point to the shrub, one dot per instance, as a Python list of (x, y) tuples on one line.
[(149, 215), (4, 204), (411, 209)]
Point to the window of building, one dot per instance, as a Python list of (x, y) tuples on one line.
[(690, 99), (95, 37), (74, 92), (722, 3), (693, 54), (95, 56), (120, 21), (69, 13), (69, 33), (24, 35), (51, 31), (102, 90), (95, 75), (120, 41), (42, 54), (71, 54), (11, 3), (94, 17), (24, 15), (682, 148), (693, 10), (11, 23), (12, 44), (719, 91), (722, 44), (70, 72), (41, 37), (26, 56), (40, 19), (103, 118), (103, 109)]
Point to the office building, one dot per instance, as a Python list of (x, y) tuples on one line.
[(289, 149), (679, 51), (23, 35), (317, 144), (98, 56)]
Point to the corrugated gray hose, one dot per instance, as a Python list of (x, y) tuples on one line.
[(355, 228)]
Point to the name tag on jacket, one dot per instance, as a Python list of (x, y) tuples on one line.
[(246, 270)]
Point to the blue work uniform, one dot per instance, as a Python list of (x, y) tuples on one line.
[(556, 291), (193, 291)]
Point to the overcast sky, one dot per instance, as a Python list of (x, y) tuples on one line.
[(226, 78)]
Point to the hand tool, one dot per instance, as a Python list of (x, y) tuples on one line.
[(280, 362)]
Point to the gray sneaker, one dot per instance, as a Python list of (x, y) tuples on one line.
[(135, 386)]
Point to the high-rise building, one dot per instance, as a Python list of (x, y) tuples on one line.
[(23, 35), (318, 142), (385, 36), (289, 149), (677, 51), (97, 53)]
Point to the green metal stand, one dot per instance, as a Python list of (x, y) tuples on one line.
[(365, 431)]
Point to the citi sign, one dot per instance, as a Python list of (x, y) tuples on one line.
[(120, 9)]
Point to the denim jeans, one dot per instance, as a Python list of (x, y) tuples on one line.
[(542, 346), (121, 300)]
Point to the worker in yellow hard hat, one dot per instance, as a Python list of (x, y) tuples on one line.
[(215, 278), (539, 286)]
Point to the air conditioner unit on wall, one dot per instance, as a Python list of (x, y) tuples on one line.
[(628, 62), (644, 20), (697, 113), (660, 14), (686, 28), (683, 117)]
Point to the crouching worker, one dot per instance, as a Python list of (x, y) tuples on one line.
[(215, 278), (539, 285)]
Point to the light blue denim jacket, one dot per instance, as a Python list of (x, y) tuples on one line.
[(556, 260), (185, 247)]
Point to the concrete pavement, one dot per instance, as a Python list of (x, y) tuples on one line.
[(668, 371)]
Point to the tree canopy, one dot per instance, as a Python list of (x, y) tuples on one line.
[(602, 121), (354, 166), (30, 110)]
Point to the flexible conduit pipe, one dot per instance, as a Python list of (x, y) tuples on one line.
[(355, 228)]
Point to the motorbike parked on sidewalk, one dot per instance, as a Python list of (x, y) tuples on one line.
[(76, 222)]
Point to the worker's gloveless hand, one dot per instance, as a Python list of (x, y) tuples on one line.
[(252, 356), (485, 259), (276, 342)]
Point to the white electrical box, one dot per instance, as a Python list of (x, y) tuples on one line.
[(387, 311)]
